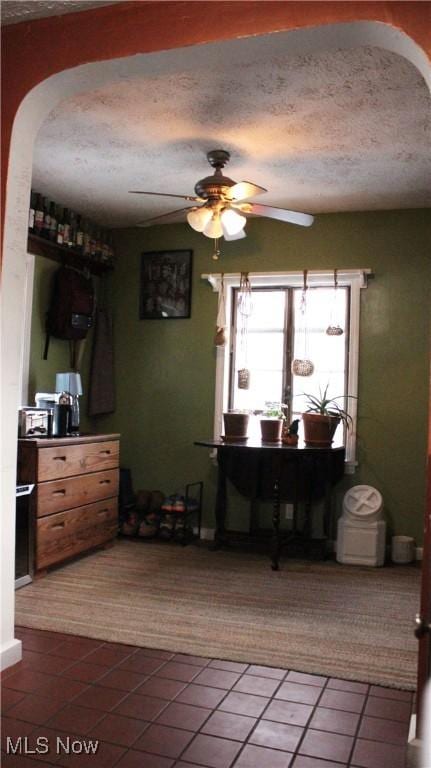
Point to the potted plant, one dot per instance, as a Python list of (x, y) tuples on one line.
[(235, 425), (322, 418), (271, 422)]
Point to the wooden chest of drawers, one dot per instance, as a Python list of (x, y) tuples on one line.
[(75, 502)]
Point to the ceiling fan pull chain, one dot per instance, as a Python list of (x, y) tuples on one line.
[(216, 252)]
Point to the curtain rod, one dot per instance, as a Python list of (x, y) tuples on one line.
[(327, 274)]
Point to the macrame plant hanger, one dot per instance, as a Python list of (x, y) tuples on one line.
[(245, 308), (302, 366), (220, 334), (334, 329)]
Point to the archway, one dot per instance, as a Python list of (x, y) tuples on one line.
[(32, 111)]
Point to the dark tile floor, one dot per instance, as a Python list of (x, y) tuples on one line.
[(153, 709)]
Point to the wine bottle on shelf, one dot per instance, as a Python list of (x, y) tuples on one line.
[(79, 235), (52, 234), (31, 211), (105, 247), (60, 226), (66, 226), (38, 215), (98, 252), (46, 219), (113, 254), (72, 230), (86, 239), (92, 244)]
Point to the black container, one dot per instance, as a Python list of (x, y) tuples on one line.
[(61, 420)]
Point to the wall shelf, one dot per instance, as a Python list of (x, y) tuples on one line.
[(64, 255)]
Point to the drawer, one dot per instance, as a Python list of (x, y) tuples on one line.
[(58, 495), (67, 533), (69, 460)]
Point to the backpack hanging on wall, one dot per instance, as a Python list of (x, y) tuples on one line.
[(71, 309)]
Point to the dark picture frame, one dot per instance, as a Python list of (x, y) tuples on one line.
[(165, 285)]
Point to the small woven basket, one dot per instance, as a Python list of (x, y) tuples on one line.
[(244, 378), (302, 367), (334, 330)]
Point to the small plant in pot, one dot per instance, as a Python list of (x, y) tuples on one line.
[(235, 425), (271, 422), (322, 418)]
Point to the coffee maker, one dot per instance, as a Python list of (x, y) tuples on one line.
[(69, 386)]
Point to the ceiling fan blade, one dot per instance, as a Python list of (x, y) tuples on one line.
[(243, 190), (164, 218), (167, 194), (239, 236), (282, 214)]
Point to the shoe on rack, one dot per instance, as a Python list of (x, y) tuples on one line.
[(147, 529), (168, 503), (131, 525), (179, 505), (167, 527)]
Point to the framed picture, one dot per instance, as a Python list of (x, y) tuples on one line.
[(166, 285)]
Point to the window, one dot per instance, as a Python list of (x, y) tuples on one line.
[(275, 335)]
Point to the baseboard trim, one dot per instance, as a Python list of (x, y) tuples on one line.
[(10, 654)]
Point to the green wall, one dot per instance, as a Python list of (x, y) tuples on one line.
[(42, 372), (165, 368)]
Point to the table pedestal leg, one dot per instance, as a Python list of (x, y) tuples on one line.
[(276, 528)]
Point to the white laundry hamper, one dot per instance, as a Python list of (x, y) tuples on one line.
[(361, 534)]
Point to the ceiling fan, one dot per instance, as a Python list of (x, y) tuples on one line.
[(223, 204)]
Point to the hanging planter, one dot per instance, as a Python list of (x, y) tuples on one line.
[(245, 308), (302, 366), (334, 329), (220, 334)]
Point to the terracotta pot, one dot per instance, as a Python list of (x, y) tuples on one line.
[(290, 439), (235, 425), (319, 430), (270, 430)]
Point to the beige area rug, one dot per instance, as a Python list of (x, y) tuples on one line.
[(318, 617)]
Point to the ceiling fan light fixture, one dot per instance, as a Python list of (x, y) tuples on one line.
[(232, 222), (198, 218), (214, 228)]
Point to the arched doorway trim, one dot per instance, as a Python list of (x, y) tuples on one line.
[(31, 113)]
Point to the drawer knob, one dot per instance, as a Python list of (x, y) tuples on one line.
[(57, 526), (104, 453), (59, 458), (102, 511), (61, 492), (104, 482)]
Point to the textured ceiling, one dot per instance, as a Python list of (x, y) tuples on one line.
[(14, 11), (329, 131)]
